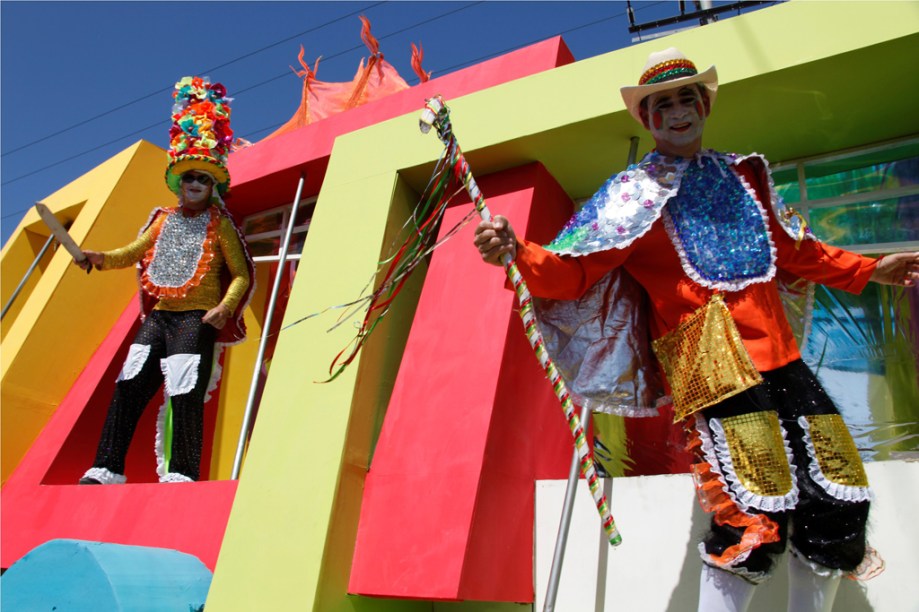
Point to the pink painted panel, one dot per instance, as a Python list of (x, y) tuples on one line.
[(448, 504)]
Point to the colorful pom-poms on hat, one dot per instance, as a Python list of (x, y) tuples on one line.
[(200, 136)]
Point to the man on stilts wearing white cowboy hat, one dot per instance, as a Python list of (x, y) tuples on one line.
[(703, 234)]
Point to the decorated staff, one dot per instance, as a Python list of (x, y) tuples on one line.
[(437, 115), (416, 241)]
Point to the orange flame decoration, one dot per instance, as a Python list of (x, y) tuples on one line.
[(417, 58), (373, 80), (307, 73), (369, 39), (373, 45)]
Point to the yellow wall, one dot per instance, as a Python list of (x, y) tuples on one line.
[(67, 314), (327, 427), (237, 378)]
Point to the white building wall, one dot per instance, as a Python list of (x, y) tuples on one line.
[(656, 568)]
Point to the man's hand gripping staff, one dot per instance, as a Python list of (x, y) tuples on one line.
[(436, 114)]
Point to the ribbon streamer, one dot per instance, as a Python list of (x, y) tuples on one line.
[(436, 114), (418, 237)]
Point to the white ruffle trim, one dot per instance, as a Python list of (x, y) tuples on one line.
[(159, 443), (708, 450), (175, 477), (731, 567), (839, 491), (744, 498), (105, 476), (776, 202), (134, 362), (216, 372), (180, 372)]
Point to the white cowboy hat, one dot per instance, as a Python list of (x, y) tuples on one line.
[(667, 69)]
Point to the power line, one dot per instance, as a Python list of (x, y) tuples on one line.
[(166, 89), (480, 58), (284, 74), (61, 161), (538, 39), (237, 93), (358, 47)]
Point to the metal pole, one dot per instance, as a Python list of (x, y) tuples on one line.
[(633, 150), (28, 273), (263, 341), (561, 540)]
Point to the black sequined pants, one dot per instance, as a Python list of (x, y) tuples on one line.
[(174, 339), (824, 529)]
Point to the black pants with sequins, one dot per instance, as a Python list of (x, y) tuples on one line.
[(166, 334), (825, 530)]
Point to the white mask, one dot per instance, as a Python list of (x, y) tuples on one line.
[(676, 119), (195, 193)]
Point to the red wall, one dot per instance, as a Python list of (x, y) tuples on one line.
[(449, 500)]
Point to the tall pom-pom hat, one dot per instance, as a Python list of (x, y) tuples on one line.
[(200, 136)]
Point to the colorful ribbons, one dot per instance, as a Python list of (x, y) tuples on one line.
[(437, 115)]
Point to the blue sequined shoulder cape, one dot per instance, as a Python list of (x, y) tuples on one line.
[(628, 203), (601, 342)]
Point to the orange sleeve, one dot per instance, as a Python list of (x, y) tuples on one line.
[(821, 263), (812, 259), (564, 277)]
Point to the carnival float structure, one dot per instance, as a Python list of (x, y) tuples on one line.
[(429, 474)]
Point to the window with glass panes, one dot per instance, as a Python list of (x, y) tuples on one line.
[(864, 347), (265, 231), (866, 200)]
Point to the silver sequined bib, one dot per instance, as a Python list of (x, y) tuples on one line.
[(179, 248)]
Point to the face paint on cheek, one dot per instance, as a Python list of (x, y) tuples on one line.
[(657, 119), (700, 110)]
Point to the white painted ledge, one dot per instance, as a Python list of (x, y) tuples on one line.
[(657, 565)]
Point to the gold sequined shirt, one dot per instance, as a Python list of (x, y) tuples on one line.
[(202, 291)]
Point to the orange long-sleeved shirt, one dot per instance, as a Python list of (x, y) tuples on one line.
[(652, 261)]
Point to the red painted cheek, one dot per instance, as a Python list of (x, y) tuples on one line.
[(699, 108), (657, 119)]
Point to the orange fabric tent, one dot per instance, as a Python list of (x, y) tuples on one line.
[(374, 79)]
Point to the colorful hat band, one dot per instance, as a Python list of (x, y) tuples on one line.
[(666, 71), (198, 163)]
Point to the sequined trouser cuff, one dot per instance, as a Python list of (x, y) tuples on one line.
[(778, 456), (171, 347)]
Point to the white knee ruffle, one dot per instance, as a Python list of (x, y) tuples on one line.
[(134, 362), (180, 372), (105, 476), (838, 490), (175, 477)]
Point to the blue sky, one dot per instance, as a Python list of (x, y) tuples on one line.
[(81, 81)]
